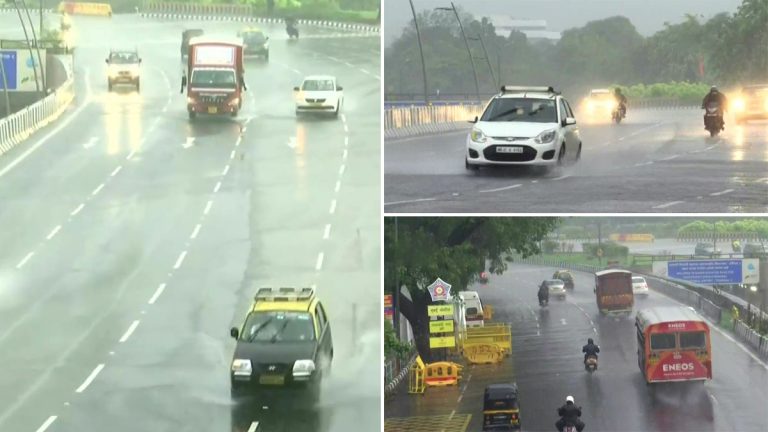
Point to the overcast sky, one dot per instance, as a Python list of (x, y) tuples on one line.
[(647, 15)]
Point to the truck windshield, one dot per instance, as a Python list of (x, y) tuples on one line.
[(214, 78)]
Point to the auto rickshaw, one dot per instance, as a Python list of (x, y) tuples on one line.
[(501, 410)]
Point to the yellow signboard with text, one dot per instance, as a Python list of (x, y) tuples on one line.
[(440, 310), (442, 342), (441, 326)]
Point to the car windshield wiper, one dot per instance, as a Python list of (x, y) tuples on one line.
[(280, 331), (507, 112), (260, 328)]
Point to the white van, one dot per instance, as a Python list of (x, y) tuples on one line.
[(473, 308)]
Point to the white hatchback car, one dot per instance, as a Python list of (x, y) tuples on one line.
[(524, 126), (319, 93), (639, 286)]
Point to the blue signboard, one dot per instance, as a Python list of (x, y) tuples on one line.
[(707, 272), (9, 64)]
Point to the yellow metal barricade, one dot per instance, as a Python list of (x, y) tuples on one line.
[(94, 9), (442, 374), (416, 377), (487, 312), (496, 334), (483, 354)]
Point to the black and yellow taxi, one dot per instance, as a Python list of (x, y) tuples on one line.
[(255, 42), (501, 408), (284, 347), (565, 276)]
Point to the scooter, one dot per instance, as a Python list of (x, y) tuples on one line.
[(543, 300), (290, 28), (591, 364), (713, 119), (618, 114)]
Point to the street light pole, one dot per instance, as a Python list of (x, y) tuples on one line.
[(396, 294), (29, 45), (5, 85), (421, 53), (487, 59), (466, 43)]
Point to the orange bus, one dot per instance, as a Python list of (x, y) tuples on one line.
[(673, 344)]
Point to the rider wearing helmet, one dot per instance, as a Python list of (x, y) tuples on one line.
[(569, 415), (714, 95), (590, 349), (621, 100)]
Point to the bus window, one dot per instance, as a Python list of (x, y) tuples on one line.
[(662, 341), (472, 311), (693, 340)]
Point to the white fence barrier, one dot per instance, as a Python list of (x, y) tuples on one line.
[(20, 125), (401, 122)]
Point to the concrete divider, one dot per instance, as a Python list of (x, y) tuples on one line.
[(20, 125)]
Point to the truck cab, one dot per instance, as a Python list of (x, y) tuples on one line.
[(214, 76)]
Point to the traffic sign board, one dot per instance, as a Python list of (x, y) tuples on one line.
[(441, 326), (440, 310), (442, 342)]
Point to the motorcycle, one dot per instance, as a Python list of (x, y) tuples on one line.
[(543, 299), (591, 364), (569, 429), (290, 28), (713, 119), (618, 114)]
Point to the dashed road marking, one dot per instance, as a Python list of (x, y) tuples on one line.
[(25, 260), (90, 378), (344, 154), (245, 128), (195, 232), (346, 128), (208, 207), (501, 188), (129, 332), (561, 177), (341, 169), (327, 232), (332, 210), (346, 140), (226, 170), (47, 423), (53, 232), (117, 170), (130, 155), (98, 189), (180, 260), (338, 186), (410, 201), (238, 141), (157, 293), (727, 191), (189, 142), (644, 163), (232, 155), (670, 157), (218, 186), (344, 120), (254, 427), (91, 142), (669, 204), (319, 263), (77, 210)]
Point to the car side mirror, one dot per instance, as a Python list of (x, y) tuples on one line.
[(474, 120), (569, 121), (234, 332), (106, 61), (339, 88), (139, 61), (295, 89)]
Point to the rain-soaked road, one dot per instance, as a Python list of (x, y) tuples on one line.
[(658, 161), (546, 363), (135, 239)]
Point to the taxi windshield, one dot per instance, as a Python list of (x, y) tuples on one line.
[(521, 110), (278, 326), (318, 85), (123, 58)]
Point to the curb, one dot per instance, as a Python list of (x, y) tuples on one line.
[(264, 20)]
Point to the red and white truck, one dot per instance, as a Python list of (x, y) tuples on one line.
[(214, 76)]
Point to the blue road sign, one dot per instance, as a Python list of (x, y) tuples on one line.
[(707, 272), (9, 64)]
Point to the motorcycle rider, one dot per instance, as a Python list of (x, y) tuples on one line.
[(290, 27), (714, 95), (569, 416), (621, 100), (543, 292), (590, 349)]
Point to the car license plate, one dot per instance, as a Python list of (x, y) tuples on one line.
[(212, 110), (272, 379), (509, 149)]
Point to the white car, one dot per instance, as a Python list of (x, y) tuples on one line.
[(524, 126), (639, 286), (556, 287), (319, 93)]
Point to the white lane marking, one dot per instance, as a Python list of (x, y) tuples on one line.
[(562, 320), (47, 423), (157, 293), (669, 204), (713, 398), (332, 210), (296, 71), (117, 170), (53, 232), (346, 128), (327, 232), (349, 64), (242, 131), (292, 142), (727, 191), (90, 378), (561, 177), (77, 210), (346, 140), (254, 427), (762, 180), (334, 59), (195, 232), (24, 261), (189, 142), (130, 155), (341, 169), (208, 207), (129, 332), (410, 201), (232, 155), (534, 181), (344, 154), (670, 157), (501, 188), (226, 170), (98, 189), (338, 186), (180, 260), (644, 163), (218, 186), (54, 132), (238, 141), (319, 263), (343, 118), (91, 142)]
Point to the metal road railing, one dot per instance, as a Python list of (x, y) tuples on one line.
[(20, 125)]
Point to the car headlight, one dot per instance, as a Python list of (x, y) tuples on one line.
[(234, 101), (546, 137), (303, 369), (478, 136), (190, 100), (242, 367), (590, 105), (611, 104), (739, 105)]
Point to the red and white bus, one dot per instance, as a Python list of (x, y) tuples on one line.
[(673, 344)]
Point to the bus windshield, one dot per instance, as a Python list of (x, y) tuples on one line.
[(691, 340), (662, 341)]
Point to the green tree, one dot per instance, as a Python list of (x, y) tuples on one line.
[(455, 249)]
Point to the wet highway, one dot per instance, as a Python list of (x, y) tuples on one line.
[(135, 239), (546, 363), (658, 161)]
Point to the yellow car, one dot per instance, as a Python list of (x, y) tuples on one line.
[(284, 347), (255, 42), (599, 104), (751, 103)]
